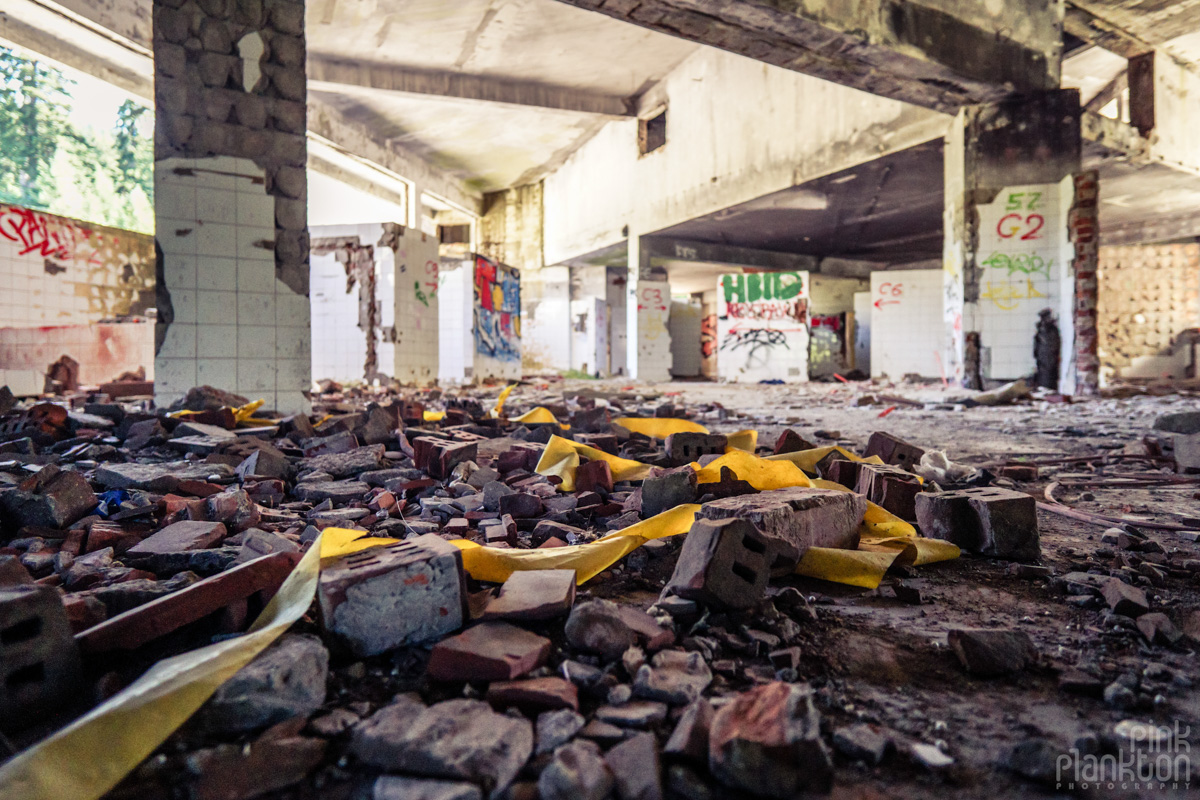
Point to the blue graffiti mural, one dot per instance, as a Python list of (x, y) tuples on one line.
[(497, 310)]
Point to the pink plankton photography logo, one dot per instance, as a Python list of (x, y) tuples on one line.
[(1149, 757)]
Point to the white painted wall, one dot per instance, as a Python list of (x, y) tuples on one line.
[(762, 327), (545, 312), (456, 346), (416, 317), (1025, 266), (862, 331), (907, 332), (684, 326), (736, 129)]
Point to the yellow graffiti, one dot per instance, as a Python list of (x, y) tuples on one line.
[(1006, 295)]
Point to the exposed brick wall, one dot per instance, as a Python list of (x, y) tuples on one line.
[(1085, 229), (205, 109), (1148, 296)]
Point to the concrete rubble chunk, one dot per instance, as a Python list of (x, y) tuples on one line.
[(555, 728), (338, 491), (385, 597), (598, 627), (455, 740), (1123, 599), (40, 668), (156, 477), (286, 680), (344, 465), (52, 498), (577, 772), (635, 714), (767, 741), (674, 677), (893, 450), (489, 651), (534, 694), (666, 491), (799, 516), (636, 768), (992, 652), (862, 742), (180, 536), (689, 740), (232, 772), (724, 563), (395, 787), (534, 595), (995, 522)]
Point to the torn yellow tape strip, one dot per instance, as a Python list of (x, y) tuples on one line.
[(659, 427), (499, 409), (807, 459), (539, 415), (433, 416), (742, 440), (561, 457), (588, 560)]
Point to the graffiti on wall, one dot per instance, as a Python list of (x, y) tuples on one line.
[(497, 310), (762, 326), (112, 269)]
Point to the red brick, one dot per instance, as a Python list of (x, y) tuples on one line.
[(490, 651), (534, 594), (145, 623), (536, 694), (179, 537)]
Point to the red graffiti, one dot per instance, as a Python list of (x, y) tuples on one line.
[(708, 336), (831, 321), (768, 310), (49, 237)]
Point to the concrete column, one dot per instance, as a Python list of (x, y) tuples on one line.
[(231, 200), (647, 310), (1007, 256)]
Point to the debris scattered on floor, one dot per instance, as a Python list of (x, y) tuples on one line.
[(584, 592)]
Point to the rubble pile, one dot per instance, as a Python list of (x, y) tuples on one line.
[(482, 640)]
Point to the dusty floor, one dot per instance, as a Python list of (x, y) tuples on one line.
[(877, 656)]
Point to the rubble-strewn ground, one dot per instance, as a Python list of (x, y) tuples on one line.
[(884, 681)]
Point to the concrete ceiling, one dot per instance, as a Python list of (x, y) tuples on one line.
[(538, 46), (889, 209)]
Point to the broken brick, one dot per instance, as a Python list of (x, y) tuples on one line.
[(52, 498), (534, 694), (594, 476), (995, 522), (489, 651), (40, 668), (409, 592), (893, 450), (889, 487), (799, 516), (688, 446), (180, 536), (726, 563), (534, 595)]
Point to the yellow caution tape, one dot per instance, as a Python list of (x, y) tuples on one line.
[(562, 456), (742, 440), (659, 427), (539, 415), (758, 472), (496, 564), (499, 409), (87, 758), (433, 416), (807, 459)]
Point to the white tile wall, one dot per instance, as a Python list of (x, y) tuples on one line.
[(784, 356), (103, 351), (1025, 254), (416, 308), (457, 346), (237, 327), (907, 329)]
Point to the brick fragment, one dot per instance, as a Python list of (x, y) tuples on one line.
[(767, 741), (534, 695), (594, 476), (893, 450), (534, 595), (385, 597), (490, 651), (799, 516), (666, 491), (889, 487), (1123, 599), (180, 536), (686, 447), (995, 522), (725, 563), (52, 498), (992, 652), (158, 617), (39, 661)]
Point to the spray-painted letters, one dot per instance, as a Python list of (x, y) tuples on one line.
[(762, 326)]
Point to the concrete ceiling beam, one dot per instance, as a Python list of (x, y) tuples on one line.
[(337, 75), (328, 122), (901, 49)]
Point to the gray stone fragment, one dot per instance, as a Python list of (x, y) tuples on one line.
[(343, 465), (394, 787), (674, 677), (578, 772), (337, 491), (636, 768), (555, 728), (287, 680), (157, 476), (667, 491), (456, 740), (598, 627), (861, 742), (800, 516), (992, 652)]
